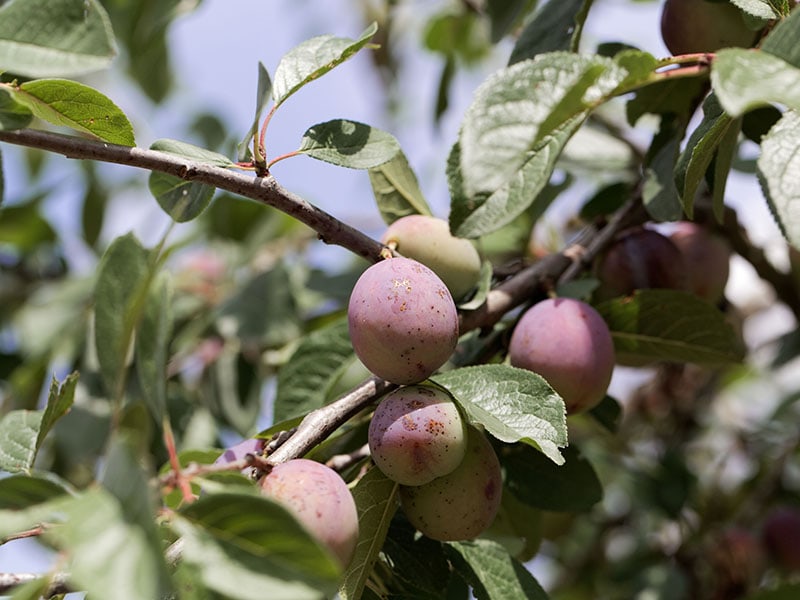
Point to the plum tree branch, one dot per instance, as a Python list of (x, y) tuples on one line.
[(58, 582), (263, 189)]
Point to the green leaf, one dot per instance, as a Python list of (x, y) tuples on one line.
[(305, 381), (19, 430), (314, 58), (514, 131), (472, 217), (152, 346), (126, 479), (77, 106), (536, 481), (519, 106), (47, 38), (23, 226), (120, 292), (248, 547), (747, 79), (701, 149), (22, 432), (671, 326), (397, 190), (514, 405), (784, 591), (180, 199), (782, 41), (18, 492), (193, 153), (263, 91), (376, 501), (492, 572), (779, 175), (13, 114), (723, 160), (659, 191), (59, 402), (109, 557), (263, 310), (757, 8), (550, 29), (349, 144)]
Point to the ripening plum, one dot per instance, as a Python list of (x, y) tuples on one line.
[(429, 241), (403, 321), (567, 342), (781, 536), (416, 435), (319, 498), (640, 258), (707, 257), (693, 26), (461, 504)]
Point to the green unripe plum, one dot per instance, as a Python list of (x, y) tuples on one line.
[(462, 504), (417, 435), (567, 342), (320, 500), (695, 26), (402, 319), (640, 258), (429, 241), (707, 257)]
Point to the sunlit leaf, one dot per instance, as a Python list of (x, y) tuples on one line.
[(512, 404), (493, 572), (77, 106), (314, 58), (747, 79), (779, 174), (50, 38)]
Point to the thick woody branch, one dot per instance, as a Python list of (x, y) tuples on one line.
[(263, 189)]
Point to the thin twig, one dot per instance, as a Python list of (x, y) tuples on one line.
[(264, 189)]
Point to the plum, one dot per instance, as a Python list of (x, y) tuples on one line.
[(567, 342), (239, 451), (707, 257), (402, 319), (429, 241), (416, 435), (640, 258), (781, 536), (463, 503), (320, 500), (693, 26)]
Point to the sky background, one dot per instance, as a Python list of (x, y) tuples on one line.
[(215, 51)]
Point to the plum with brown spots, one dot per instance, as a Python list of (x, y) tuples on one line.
[(402, 319), (417, 435), (320, 499), (463, 503)]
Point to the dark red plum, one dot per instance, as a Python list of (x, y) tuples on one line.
[(694, 26)]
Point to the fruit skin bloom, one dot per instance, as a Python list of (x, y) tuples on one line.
[(568, 343), (402, 319)]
